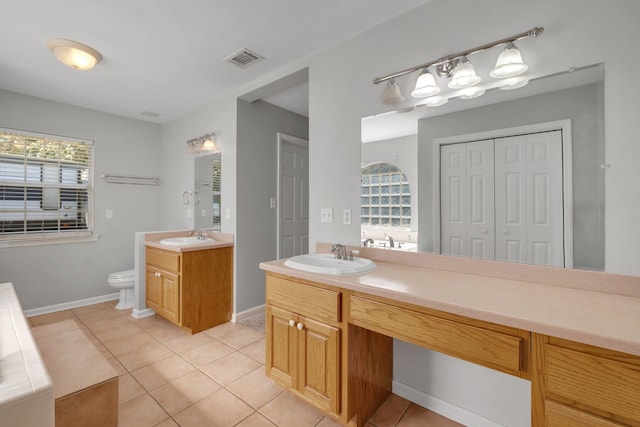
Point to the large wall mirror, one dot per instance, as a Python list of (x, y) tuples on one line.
[(418, 199), (206, 191)]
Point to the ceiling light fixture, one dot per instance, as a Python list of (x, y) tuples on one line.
[(202, 143), (461, 71), (73, 54)]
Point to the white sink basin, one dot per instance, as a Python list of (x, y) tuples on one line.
[(185, 241), (328, 264)]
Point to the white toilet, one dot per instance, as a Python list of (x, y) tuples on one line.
[(124, 281)]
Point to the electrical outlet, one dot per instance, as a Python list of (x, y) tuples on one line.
[(273, 203), (109, 214), (227, 213), (326, 215), (188, 213), (346, 216), (203, 212)]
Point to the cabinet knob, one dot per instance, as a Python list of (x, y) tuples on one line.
[(292, 323), (484, 231), (300, 326)]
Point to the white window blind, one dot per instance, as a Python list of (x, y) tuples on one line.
[(385, 197), (45, 186)]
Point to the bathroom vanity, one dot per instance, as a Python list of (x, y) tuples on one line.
[(190, 285), (574, 334)]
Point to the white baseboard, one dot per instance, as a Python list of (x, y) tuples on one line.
[(71, 304), (255, 311), (441, 407), (139, 314)]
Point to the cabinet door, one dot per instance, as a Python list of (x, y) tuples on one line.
[(319, 363), (170, 297), (281, 346), (154, 289)]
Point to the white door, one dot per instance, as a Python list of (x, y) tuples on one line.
[(293, 208), (467, 227)]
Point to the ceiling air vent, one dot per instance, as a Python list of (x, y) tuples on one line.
[(243, 58)]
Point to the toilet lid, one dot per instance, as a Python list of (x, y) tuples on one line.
[(122, 276)]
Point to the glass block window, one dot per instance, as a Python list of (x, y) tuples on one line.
[(217, 192), (385, 197), (45, 186)]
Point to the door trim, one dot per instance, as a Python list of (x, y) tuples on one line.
[(290, 139), (567, 173)]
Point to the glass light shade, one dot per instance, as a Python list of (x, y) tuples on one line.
[(392, 94), (435, 101), (509, 63), (209, 144), (513, 83), (425, 85), (464, 76), (472, 92), (73, 54)]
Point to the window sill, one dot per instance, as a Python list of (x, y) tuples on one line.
[(48, 241)]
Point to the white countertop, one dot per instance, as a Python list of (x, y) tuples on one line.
[(597, 318)]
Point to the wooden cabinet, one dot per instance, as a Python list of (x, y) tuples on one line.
[(192, 289), (581, 385), (303, 341)]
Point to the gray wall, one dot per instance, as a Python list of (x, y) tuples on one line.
[(256, 238), (583, 105), (55, 274)]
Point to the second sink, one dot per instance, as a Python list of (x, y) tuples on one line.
[(328, 264), (185, 241)]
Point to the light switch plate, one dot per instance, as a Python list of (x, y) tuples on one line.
[(346, 216), (109, 214), (326, 215)]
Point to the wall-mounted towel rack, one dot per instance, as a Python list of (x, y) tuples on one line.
[(133, 180)]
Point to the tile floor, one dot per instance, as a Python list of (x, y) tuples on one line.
[(214, 378)]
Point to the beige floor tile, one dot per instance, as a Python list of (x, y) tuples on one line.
[(256, 420), (255, 350), (128, 388), (220, 409), (162, 372), (185, 391), (168, 423), (87, 309), (231, 367), (235, 335), (103, 351), (287, 410), (144, 356), (255, 388), (206, 353), (130, 343), (141, 411), (122, 330), (120, 370), (390, 411), (99, 324), (328, 422), (58, 316), (417, 416), (95, 312), (186, 342), (160, 328)]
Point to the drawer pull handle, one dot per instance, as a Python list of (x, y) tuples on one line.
[(292, 323), (300, 326)]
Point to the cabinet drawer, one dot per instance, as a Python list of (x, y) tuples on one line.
[(478, 345), (605, 387), (310, 301), (558, 415), (164, 260)]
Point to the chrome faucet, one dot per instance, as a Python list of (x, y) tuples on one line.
[(340, 252), (200, 235), (368, 242), (390, 239)]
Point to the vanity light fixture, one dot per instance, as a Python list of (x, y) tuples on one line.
[(460, 70), (202, 143), (73, 54), (392, 94)]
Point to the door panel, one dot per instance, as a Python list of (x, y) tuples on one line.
[(294, 200), (480, 199), (281, 353), (452, 200)]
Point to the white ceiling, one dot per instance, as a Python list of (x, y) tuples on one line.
[(165, 56)]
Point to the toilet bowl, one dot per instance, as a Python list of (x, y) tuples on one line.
[(123, 281)]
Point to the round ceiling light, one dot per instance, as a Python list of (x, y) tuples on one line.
[(73, 54)]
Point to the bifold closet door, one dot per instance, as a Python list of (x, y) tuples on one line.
[(529, 200), (467, 199)]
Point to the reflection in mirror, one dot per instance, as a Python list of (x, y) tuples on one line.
[(412, 140), (206, 195)]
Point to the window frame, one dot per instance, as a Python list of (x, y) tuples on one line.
[(58, 235), (404, 181)]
